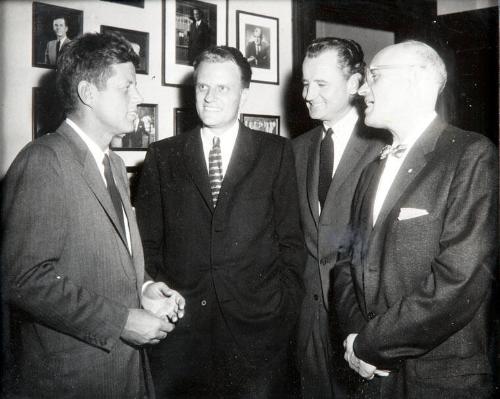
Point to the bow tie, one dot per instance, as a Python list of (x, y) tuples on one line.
[(395, 150)]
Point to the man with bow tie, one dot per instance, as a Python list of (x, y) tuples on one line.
[(54, 47), (412, 291)]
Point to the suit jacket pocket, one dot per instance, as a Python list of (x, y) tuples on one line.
[(439, 368)]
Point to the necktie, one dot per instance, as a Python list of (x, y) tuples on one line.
[(113, 191), (58, 48), (325, 166), (215, 169), (258, 49), (395, 150)]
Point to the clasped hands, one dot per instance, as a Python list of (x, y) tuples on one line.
[(163, 307), (364, 369)]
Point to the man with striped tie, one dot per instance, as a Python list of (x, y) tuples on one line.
[(219, 218)]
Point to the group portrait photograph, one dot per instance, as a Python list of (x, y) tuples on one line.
[(234, 199)]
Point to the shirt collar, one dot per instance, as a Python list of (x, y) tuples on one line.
[(94, 149), (227, 138), (344, 126)]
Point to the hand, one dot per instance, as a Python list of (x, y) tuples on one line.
[(163, 301), (364, 369), (142, 328)]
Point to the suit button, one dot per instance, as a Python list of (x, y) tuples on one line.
[(316, 297), (371, 315), (203, 303)]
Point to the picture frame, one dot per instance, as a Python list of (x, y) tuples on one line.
[(133, 3), (181, 41), (140, 44), (257, 37), (47, 19), (185, 119), (145, 131), (47, 113), (264, 123)]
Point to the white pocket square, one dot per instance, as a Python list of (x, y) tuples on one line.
[(410, 213)]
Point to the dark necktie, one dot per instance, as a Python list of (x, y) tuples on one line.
[(58, 48), (113, 191), (325, 166), (215, 169)]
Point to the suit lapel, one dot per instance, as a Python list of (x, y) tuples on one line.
[(313, 173), (196, 165), (242, 160), (415, 161), (92, 177)]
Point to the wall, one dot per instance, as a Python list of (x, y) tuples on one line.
[(454, 6), (18, 77)]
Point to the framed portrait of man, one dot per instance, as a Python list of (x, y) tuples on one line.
[(53, 28), (257, 39), (189, 27)]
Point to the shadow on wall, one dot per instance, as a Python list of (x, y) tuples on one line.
[(296, 116), (47, 110)]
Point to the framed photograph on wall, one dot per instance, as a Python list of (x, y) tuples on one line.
[(257, 37), (134, 3), (185, 119), (47, 113), (144, 133), (53, 28), (264, 123), (189, 27), (139, 42)]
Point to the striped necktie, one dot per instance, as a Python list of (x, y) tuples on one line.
[(113, 191), (215, 169)]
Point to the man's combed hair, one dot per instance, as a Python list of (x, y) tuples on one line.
[(223, 54), (89, 58), (350, 53)]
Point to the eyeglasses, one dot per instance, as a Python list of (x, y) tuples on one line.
[(371, 75)]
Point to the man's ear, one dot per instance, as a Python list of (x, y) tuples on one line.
[(354, 83), (86, 93)]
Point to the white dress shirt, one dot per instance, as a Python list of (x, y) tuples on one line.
[(98, 156), (227, 141), (393, 163)]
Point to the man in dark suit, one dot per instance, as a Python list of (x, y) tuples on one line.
[(71, 255), (199, 35), (257, 50), (53, 48), (413, 290), (218, 213), (328, 168)]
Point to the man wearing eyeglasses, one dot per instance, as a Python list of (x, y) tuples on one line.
[(413, 289)]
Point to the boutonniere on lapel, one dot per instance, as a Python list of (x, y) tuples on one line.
[(395, 150)]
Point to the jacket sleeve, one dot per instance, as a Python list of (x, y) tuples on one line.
[(462, 271), (35, 226)]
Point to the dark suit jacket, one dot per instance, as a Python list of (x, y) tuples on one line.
[(69, 273), (417, 290), (262, 59), (326, 233), (51, 51), (199, 39), (246, 254)]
